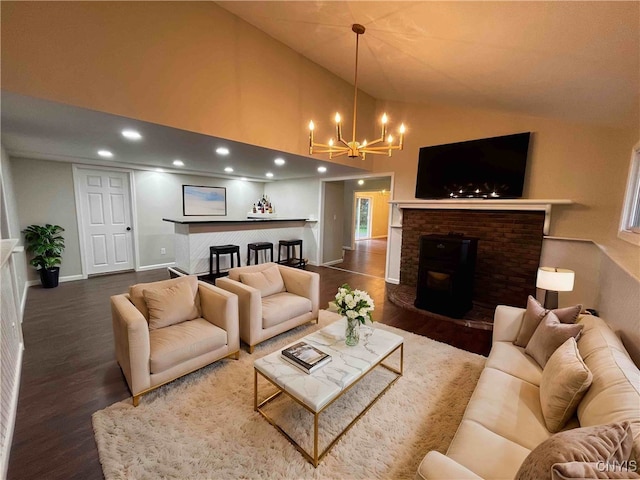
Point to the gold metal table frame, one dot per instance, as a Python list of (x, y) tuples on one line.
[(318, 456)]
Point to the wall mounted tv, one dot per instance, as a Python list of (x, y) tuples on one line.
[(487, 168)]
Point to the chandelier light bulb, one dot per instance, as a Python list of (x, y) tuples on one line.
[(384, 118), (337, 117), (311, 125), (402, 128), (390, 139), (364, 144), (331, 142)]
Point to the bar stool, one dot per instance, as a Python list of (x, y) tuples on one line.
[(291, 260), (257, 247), (218, 250)]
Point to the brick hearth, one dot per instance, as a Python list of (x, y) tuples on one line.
[(508, 249)]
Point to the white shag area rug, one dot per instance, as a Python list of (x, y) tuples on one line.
[(203, 426)]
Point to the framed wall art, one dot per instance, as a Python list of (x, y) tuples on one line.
[(198, 200)]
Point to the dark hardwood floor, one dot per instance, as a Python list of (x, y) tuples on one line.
[(368, 257), (69, 369)]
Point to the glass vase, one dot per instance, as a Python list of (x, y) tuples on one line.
[(352, 334)]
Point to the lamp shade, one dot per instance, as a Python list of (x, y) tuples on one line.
[(555, 279)]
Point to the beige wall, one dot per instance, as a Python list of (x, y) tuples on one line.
[(379, 211), (190, 65), (583, 163), (381, 208), (44, 194)]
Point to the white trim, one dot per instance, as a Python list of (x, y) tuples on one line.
[(332, 262), (68, 278), (631, 198), (344, 247), (13, 410), (395, 281), (479, 204), (23, 303), (157, 266), (79, 217)]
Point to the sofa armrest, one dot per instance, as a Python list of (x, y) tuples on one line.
[(131, 338), (220, 307), (506, 323), (249, 308), (302, 283), (436, 466)]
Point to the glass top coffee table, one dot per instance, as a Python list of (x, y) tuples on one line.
[(318, 390)]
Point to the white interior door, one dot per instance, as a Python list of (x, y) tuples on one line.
[(105, 204)]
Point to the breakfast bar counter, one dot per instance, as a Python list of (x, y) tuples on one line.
[(194, 236)]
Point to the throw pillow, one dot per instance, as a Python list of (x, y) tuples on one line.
[(268, 281), (565, 380), (549, 335), (536, 312), (611, 443), (583, 470), (171, 305)]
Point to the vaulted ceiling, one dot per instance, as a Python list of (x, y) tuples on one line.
[(571, 60)]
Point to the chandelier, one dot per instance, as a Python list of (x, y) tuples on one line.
[(339, 146)]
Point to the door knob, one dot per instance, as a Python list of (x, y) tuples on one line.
[(128, 229)]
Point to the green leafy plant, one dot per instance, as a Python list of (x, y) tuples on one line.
[(46, 245)]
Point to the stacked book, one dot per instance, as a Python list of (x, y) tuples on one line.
[(306, 357)]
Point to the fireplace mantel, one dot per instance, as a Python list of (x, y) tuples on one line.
[(397, 207), (476, 204)]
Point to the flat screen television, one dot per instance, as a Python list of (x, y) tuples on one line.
[(489, 168)]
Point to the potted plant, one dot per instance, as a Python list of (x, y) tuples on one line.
[(47, 246)]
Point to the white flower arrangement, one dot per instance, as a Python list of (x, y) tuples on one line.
[(354, 304)]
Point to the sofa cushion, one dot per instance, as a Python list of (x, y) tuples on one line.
[(565, 380), (549, 335), (614, 395), (509, 407), (171, 305), (602, 443), (175, 344), (283, 306), (534, 315), (509, 358), (484, 452), (137, 297), (268, 281)]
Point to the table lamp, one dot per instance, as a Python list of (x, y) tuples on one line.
[(554, 280)]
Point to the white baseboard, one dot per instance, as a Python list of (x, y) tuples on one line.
[(23, 303), (344, 247), (332, 262), (68, 278), (395, 281), (156, 267)]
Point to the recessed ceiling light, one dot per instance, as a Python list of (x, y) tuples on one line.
[(222, 151), (244, 179), (269, 174), (322, 169), (131, 134), (279, 161), (105, 153), (159, 170), (360, 182), (228, 169), (178, 163)]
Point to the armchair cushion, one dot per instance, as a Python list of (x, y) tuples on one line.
[(175, 344), (283, 306), (171, 305), (268, 281), (136, 294)]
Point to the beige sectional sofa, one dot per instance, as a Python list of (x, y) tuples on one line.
[(504, 422)]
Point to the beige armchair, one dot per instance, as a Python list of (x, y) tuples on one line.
[(167, 329), (272, 299)]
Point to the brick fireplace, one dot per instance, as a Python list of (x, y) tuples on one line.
[(509, 246)]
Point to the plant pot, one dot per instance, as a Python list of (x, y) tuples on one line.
[(49, 277)]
